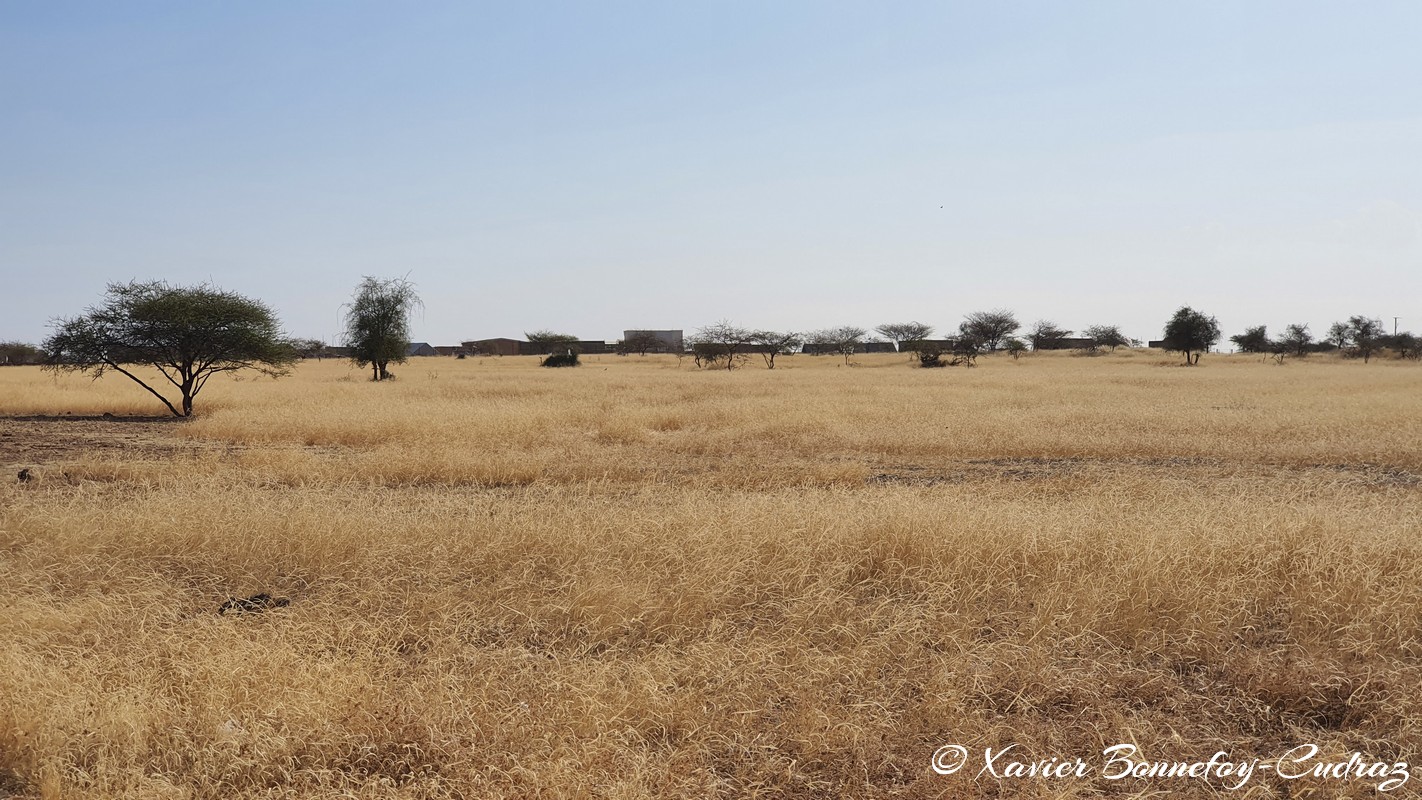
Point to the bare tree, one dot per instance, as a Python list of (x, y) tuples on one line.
[(1045, 333), (309, 348), (904, 334), (776, 343), (721, 341), (641, 342), (845, 339), (966, 349)]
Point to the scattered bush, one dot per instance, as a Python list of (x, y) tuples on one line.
[(568, 359)]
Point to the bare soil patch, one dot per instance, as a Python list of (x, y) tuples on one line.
[(40, 441)]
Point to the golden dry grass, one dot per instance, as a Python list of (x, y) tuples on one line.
[(638, 580)]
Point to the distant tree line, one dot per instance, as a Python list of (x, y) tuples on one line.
[(186, 335), (1358, 337)]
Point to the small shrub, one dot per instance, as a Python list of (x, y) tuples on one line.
[(569, 359), (931, 357)]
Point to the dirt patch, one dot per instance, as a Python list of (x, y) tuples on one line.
[(39, 441), (974, 470), (1038, 469)]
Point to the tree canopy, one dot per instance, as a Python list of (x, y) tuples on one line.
[(1191, 332), (1106, 336), (989, 328), (904, 334), (723, 340), (188, 334), (378, 323), (1045, 334), (1253, 340), (776, 343)]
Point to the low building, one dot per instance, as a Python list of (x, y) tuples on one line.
[(494, 347), (420, 349), (1066, 343)]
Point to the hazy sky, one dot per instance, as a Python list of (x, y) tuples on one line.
[(598, 166)]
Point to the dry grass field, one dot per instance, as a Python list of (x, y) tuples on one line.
[(636, 579)]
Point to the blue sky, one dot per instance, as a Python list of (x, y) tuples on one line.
[(592, 167)]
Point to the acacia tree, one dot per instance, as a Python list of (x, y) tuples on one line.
[(378, 323), (721, 340), (1253, 340), (1106, 336), (1296, 341), (1337, 335), (1404, 344), (845, 339), (1365, 335), (1045, 333), (776, 343), (546, 336), (990, 328), (186, 333), (640, 342), (1190, 331), (904, 334), (309, 348)]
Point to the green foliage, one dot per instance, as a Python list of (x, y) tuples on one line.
[(1106, 336), (776, 343), (12, 353), (1405, 345), (549, 337), (378, 323), (1045, 334), (1253, 340), (1296, 341), (188, 334), (568, 359), (989, 329), (1364, 337), (904, 334), (1191, 332)]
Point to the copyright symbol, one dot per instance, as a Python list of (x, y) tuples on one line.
[(949, 758)]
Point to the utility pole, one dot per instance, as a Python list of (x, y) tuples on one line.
[(1394, 325)]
